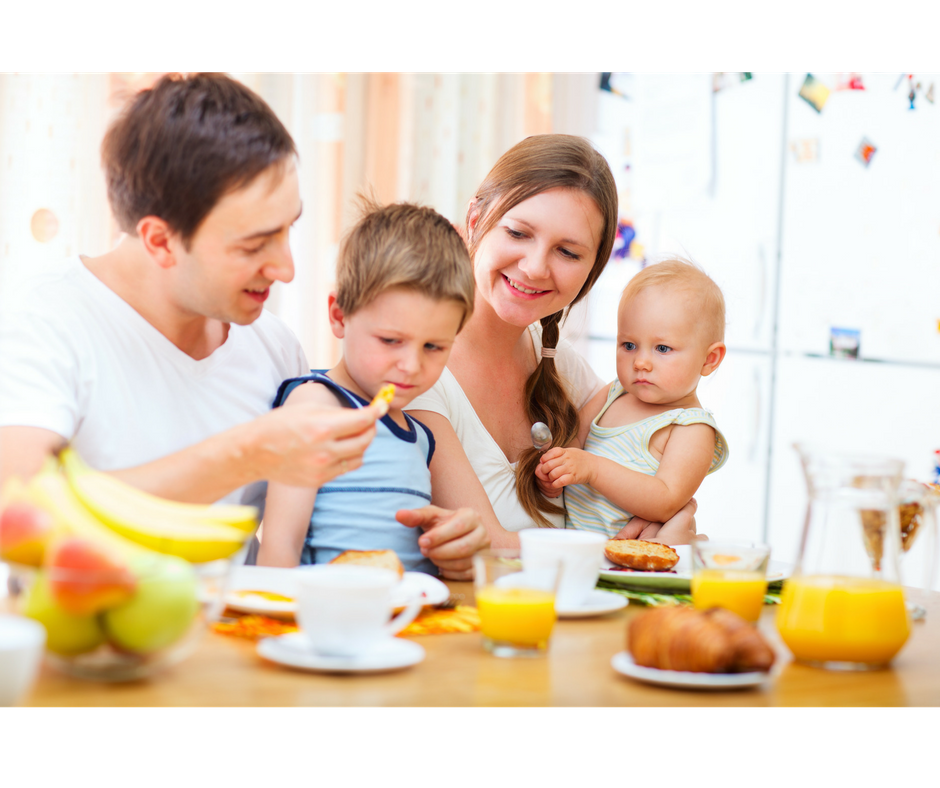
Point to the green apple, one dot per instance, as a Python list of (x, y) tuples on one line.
[(160, 611), (66, 634)]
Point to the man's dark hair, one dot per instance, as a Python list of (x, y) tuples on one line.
[(182, 145)]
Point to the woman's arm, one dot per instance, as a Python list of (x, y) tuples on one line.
[(686, 459), (589, 412), (454, 483)]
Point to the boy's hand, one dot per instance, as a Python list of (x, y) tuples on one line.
[(548, 489), (568, 466), (450, 538)]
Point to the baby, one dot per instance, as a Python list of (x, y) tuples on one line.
[(404, 289), (648, 444)]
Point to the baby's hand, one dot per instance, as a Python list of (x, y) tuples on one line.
[(568, 466), (548, 489)]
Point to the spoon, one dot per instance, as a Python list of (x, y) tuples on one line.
[(541, 436)]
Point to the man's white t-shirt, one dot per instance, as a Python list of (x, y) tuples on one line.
[(495, 472), (77, 359)]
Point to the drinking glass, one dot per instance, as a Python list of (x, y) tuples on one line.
[(917, 512), (516, 602), (732, 575)]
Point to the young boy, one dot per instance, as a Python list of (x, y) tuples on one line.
[(648, 444), (404, 289)]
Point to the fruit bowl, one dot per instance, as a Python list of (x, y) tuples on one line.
[(124, 582), (158, 615)]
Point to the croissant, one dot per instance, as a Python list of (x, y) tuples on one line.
[(699, 641)]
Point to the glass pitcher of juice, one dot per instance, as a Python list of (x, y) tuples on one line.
[(844, 608)]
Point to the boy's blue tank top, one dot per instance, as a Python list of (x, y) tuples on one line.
[(356, 511)]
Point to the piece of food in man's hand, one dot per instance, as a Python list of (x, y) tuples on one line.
[(387, 392), (640, 554), (386, 559), (698, 641)]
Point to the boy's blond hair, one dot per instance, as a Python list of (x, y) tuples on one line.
[(686, 277), (403, 245)]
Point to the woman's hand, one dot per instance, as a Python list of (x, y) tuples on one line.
[(450, 538), (680, 529), (567, 466)]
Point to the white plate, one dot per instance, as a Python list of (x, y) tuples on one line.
[(284, 582), (598, 603), (294, 651), (623, 663), (679, 580)]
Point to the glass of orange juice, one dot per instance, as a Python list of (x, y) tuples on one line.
[(516, 603), (732, 575)]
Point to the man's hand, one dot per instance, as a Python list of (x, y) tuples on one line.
[(568, 466), (450, 538), (307, 446)]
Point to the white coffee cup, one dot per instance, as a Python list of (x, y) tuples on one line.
[(580, 553), (344, 610), (21, 645)]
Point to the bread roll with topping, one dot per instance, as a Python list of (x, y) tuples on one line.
[(640, 554)]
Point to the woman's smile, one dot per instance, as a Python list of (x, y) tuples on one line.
[(536, 260), (520, 288)]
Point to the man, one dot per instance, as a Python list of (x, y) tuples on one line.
[(157, 360)]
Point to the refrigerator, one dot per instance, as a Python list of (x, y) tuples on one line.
[(822, 227)]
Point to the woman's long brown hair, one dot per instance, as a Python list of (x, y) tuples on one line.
[(535, 165)]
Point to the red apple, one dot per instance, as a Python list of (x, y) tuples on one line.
[(86, 578), (25, 530)]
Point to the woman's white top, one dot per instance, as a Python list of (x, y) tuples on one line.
[(495, 472)]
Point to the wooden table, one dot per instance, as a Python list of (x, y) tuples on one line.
[(226, 671)]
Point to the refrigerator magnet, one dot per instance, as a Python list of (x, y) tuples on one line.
[(850, 81), (805, 151), (814, 92), (844, 342), (865, 151), (929, 94)]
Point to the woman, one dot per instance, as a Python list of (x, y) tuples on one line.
[(540, 231)]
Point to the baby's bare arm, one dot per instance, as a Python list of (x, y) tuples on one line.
[(686, 459)]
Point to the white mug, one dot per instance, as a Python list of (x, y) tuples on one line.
[(21, 645), (344, 610), (581, 554)]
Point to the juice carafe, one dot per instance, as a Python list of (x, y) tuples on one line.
[(843, 608)]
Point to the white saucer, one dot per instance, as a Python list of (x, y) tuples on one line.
[(294, 651), (623, 663), (597, 603), (284, 582)]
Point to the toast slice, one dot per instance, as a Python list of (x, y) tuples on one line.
[(386, 559), (640, 554)]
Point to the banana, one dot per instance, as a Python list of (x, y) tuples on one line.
[(148, 521), (49, 490), (100, 486)]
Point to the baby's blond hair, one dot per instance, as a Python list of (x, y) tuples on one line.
[(402, 245), (686, 277)]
